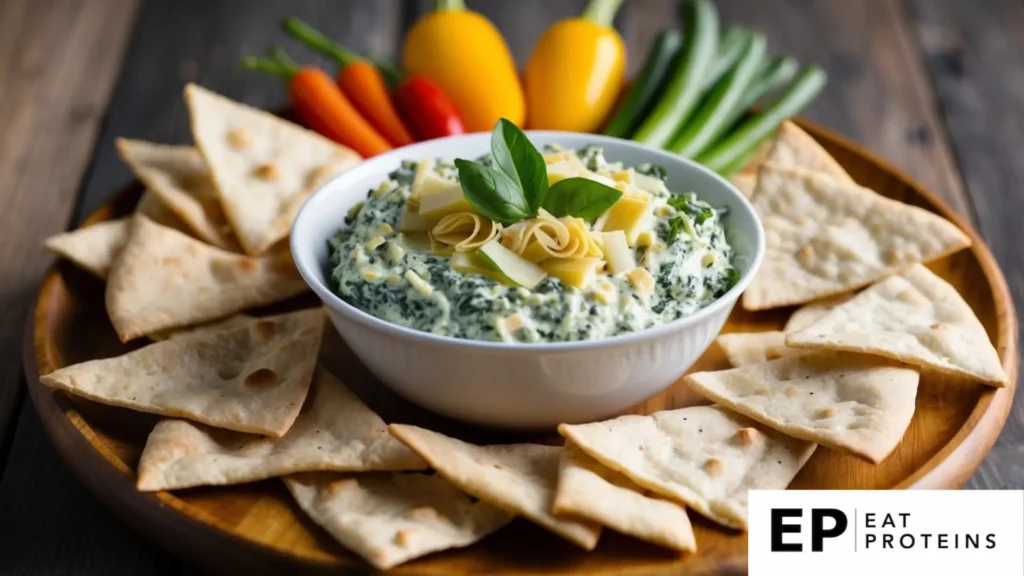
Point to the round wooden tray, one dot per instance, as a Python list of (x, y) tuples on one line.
[(257, 528)]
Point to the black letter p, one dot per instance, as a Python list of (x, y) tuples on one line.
[(818, 532)]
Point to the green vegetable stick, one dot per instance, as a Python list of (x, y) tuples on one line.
[(712, 118), (647, 85), (730, 48), (683, 91), (753, 130), (777, 72), (740, 162)]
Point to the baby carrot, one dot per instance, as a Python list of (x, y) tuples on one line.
[(359, 79), (320, 104)]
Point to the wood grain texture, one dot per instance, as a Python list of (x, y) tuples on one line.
[(55, 108), (976, 59), (58, 63), (954, 425)]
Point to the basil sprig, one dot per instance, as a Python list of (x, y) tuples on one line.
[(517, 157), (581, 198), (492, 193), (518, 188)]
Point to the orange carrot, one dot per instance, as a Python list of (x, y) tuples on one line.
[(359, 79), (321, 105), (363, 83)]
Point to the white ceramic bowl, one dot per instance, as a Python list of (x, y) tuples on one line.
[(525, 386)]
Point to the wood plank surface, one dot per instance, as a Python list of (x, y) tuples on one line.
[(58, 527), (976, 61), (58, 63)]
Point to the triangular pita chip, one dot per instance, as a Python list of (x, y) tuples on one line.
[(93, 248), (390, 518), (178, 176), (824, 236), (589, 490), (225, 324), (335, 431), (520, 478), (916, 318), (810, 313), (745, 182), (796, 148), (263, 167), (250, 379), (847, 402), (151, 206), (165, 279), (704, 456), (743, 348)]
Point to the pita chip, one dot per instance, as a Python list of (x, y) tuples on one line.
[(178, 176), (743, 348), (263, 167), (745, 182), (226, 324), (824, 236), (92, 248), (794, 147), (589, 490), (704, 456), (810, 313), (334, 431), (250, 379), (391, 518), (848, 402), (166, 279), (916, 318), (519, 478)]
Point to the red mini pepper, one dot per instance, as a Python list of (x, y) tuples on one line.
[(428, 109), (422, 103)]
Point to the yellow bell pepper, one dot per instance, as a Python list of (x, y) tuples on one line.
[(576, 71), (466, 56)]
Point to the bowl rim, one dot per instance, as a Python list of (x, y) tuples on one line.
[(305, 262)]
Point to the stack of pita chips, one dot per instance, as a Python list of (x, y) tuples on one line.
[(205, 241), (242, 399), (844, 371)]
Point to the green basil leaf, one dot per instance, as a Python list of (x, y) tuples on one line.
[(492, 193), (581, 198), (520, 160)]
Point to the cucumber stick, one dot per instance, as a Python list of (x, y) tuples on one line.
[(712, 117), (775, 73), (730, 48), (683, 91), (641, 95), (756, 128)]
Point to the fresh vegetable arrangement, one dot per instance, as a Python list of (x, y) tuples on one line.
[(694, 96)]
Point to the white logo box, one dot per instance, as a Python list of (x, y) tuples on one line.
[(927, 532)]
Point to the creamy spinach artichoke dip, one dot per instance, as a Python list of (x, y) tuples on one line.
[(418, 253)]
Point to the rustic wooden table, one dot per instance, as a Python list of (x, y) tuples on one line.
[(935, 86)]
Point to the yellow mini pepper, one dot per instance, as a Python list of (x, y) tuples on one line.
[(466, 56), (576, 71)]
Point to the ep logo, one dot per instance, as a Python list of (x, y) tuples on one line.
[(823, 523)]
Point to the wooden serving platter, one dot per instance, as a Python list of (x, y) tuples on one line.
[(256, 528)]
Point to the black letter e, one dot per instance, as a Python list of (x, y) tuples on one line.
[(779, 528)]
